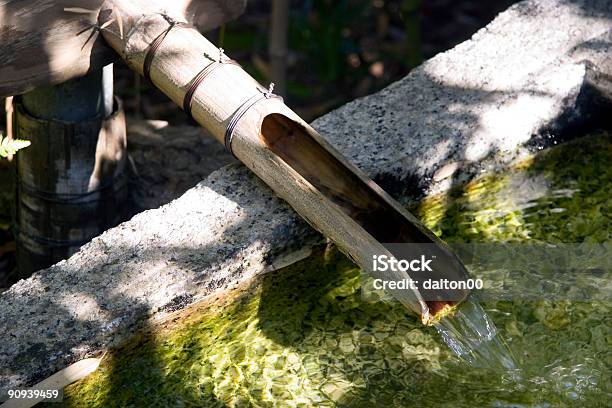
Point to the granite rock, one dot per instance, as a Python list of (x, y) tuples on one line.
[(520, 79)]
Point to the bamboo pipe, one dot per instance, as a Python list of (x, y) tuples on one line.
[(331, 194), (48, 42)]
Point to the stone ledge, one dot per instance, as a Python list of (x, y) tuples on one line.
[(488, 97)]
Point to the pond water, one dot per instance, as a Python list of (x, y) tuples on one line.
[(305, 336)]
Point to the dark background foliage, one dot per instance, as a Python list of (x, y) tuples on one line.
[(339, 50)]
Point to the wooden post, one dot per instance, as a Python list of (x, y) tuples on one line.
[(75, 100), (71, 183), (330, 193)]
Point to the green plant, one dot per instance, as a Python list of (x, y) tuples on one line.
[(317, 30), (11, 146)]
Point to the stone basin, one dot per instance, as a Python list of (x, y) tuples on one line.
[(519, 84), (313, 334)]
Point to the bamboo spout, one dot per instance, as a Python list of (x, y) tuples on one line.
[(330, 193), (365, 203)]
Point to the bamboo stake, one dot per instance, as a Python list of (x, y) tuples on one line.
[(412, 26), (330, 193), (277, 51)]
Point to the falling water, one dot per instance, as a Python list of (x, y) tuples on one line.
[(474, 338)]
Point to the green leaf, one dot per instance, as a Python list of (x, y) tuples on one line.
[(9, 147)]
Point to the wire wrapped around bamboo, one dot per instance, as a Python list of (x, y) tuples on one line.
[(331, 194)]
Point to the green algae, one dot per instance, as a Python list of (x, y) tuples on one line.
[(304, 336), (556, 196)]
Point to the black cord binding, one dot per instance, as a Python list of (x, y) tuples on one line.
[(246, 105), (199, 78), (154, 46)]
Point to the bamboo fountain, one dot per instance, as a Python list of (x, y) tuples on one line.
[(324, 188), (331, 194)]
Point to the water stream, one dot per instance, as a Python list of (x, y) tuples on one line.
[(472, 336)]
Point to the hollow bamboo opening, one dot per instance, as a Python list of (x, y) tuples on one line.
[(358, 198)]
